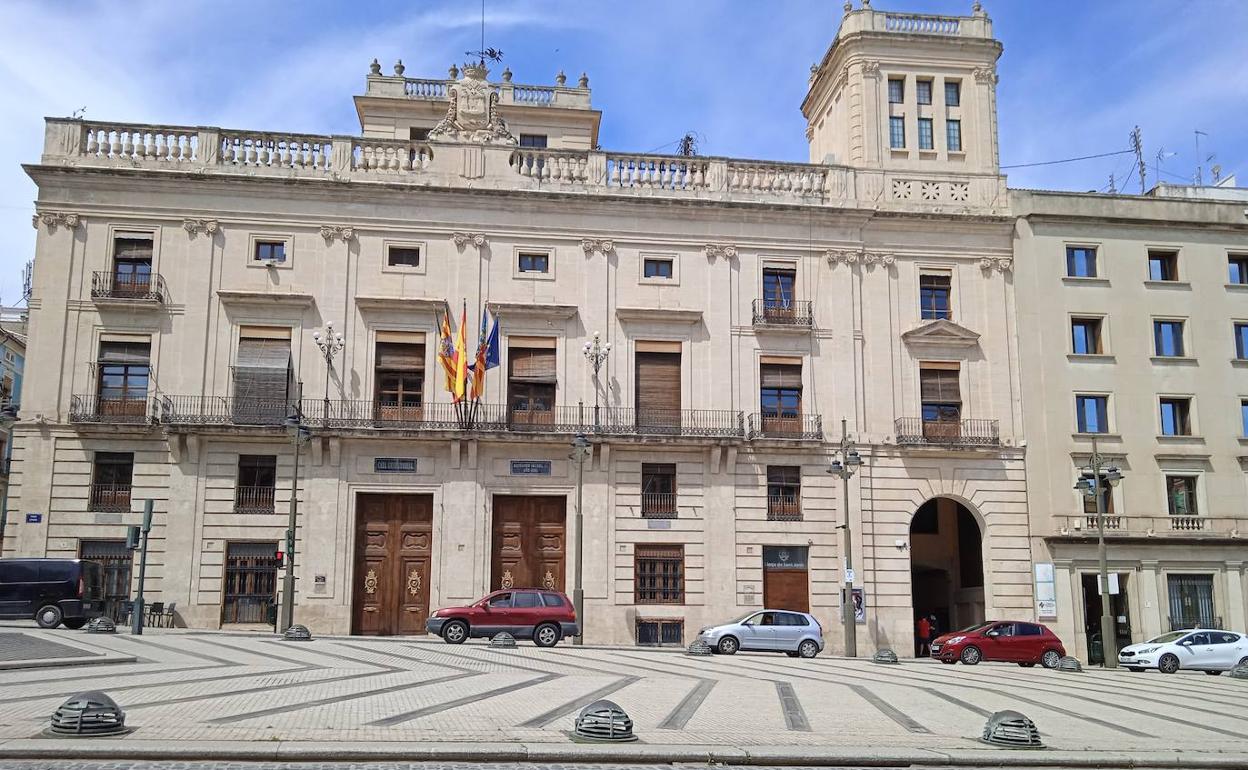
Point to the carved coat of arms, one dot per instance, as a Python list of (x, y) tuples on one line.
[(473, 114)]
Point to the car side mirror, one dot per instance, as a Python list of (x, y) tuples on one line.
[(993, 632), (747, 622), (1187, 642)]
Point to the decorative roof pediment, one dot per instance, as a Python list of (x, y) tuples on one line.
[(942, 332)]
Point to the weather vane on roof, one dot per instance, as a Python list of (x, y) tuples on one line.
[(493, 54)]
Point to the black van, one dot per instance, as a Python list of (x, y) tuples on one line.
[(52, 591)]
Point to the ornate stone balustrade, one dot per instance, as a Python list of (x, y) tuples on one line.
[(977, 25), (393, 155), (161, 143), (752, 177), (657, 172), (251, 149), (419, 88), (924, 25), (567, 166), (532, 95)]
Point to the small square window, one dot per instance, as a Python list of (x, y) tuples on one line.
[(923, 91), (1080, 262), (953, 135), (1176, 416), (1168, 338), (896, 90), (897, 132), (534, 262), (1092, 414), (533, 140), (925, 134), (953, 93), (403, 256), (1163, 266), (1238, 264), (654, 267), (270, 251), (1085, 336), (1241, 341), (419, 134)]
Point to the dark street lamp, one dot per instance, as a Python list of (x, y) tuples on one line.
[(845, 461), (581, 451), (596, 353), (330, 343), (1091, 483), (299, 434)]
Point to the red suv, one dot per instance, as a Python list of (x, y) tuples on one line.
[(525, 613), (1011, 641)]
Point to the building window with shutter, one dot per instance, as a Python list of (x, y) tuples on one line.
[(112, 474), (531, 383), (266, 252), (132, 265), (941, 399), (264, 383), (779, 286), (659, 574), (257, 482), (657, 396), (123, 371), (399, 377), (784, 493), (403, 256), (658, 490), (780, 398), (533, 262), (660, 632)]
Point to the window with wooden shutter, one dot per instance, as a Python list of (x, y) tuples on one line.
[(399, 378), (659, 574), (123, 372), (780, 397), (263, 376), (531, 379), (132, 264), (941, 400), (658, 390)]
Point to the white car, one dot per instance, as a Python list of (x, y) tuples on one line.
[(797, 634), (1210, 650)]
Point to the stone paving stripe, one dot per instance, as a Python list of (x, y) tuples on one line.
[(16, 647), (502, 657), (437, 708), (794, 714), (576, 704), (139, 640), (314, 649), (246, 690), (971, 707), (688, 706), (412, 658), (888, 710), (683, 669), (128, 687), (337, 698)]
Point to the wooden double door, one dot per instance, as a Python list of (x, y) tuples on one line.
[(529, 542), (393, 549)]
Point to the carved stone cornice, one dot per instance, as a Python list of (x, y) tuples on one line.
[(871, 68), (985, 75), (1002, 264), (463, 239), (194, 227), (330, 232), (716, 250), (53, 219), (602, 245)]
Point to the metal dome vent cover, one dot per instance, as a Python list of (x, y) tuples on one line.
[(297, 633), (604, 720), (1069, 664), (699, 647), (885, 656), (101, 625), (502, 640), (88, 714), (1013, 730), (1240, 671)]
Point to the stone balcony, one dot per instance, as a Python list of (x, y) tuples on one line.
[(559, 95), (977, 25), (251, 155), (1133, 526)]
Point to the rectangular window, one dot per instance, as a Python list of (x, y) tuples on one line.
[(657, 395), (1238, 264), (399, 377), (660, 633), (779, 286), (1080, 262), (533, 140), (531, 379), (934, 290), (653, 267), (659, 574), (123, 371), (953, 135), (1191, 601), (1168, 338), (257, 480), (923, 91), (1176, 416), (1085, 336), (1181, 495), (418, 133), (534, 262), (112, 474), (1243, 417), (263, 375), (270, 251), (897, 132), (1107, 499), (250, 588), (780, 397), (132, 265), (941, 400), (658, 490), (1163, 266), (1092, 414), (784, 493), (953, 93), (1241, 340), (896, 90), (925, 134), (403, 256)]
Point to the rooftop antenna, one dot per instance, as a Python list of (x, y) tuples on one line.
[(688, 145), (1137, 144), (1161, 158), (483, 53), (1113, 190), (1200, 166), (78, 113), (28, 280)]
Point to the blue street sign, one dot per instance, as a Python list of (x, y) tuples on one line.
[(34, 518)]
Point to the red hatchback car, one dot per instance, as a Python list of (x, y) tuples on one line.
[(525, 613), (1010, 641)]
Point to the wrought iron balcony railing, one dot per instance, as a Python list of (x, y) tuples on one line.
[(110, 498), (254, 499), (783, 508), (807, 427), (915, 431), (107, 284), (133, 410), (773, 312), (658, 505), (223, 410)]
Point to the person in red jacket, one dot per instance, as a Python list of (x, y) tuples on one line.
[(923, 638)]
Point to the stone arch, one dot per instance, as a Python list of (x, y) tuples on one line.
[(949, 572)]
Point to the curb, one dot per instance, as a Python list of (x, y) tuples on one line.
[(17, 665)]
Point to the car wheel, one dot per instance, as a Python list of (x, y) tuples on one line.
[(546, 635), (48, 616), (75, 623), (1243, 661), (1027, 665), (1168, 664), (728, 645), (808, 649), (1214, 673), (455, 632), (1050, 659), (971, 655)]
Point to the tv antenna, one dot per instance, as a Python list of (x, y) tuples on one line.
[(483, 53), (1200, 163), (1137, 145), (1161, 158)]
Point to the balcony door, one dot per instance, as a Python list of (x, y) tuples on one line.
[(658, 387), (132, 265), (263, 376), (779, 285), (780, 398), (399, 377), (123, 373), (531, 379), (942, 401)]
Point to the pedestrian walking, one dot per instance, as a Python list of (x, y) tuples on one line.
[(922, 638)]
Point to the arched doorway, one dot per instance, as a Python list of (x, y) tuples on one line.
[(946, 564)]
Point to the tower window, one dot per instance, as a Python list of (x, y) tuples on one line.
[(897, 132), (896, 90)]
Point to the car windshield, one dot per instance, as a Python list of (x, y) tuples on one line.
[(1173, 636), (975, 627), (743, 618)]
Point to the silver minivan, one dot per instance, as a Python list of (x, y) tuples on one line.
[(797, 634)]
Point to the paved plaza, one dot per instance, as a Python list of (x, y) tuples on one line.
[(356, 697)]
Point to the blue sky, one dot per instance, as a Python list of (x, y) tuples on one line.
[(1074, 78)]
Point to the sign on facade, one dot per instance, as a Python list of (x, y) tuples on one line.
[(1046, 593), (34, 518), (530, 467), (860, 605), (784, 557), (394, 465)]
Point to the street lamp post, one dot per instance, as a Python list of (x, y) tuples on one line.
[(8, 416), (581, 450), (299, 434), (1096, 474), (596, 353), (330, 343), (846, 460)]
